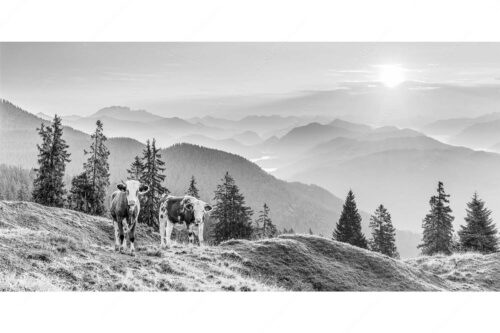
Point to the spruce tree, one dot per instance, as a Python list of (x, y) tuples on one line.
[(22, 193), (383, 238), (80, 193), (193, 190), (310, 232), (136, 168), (479, 232), (232, 215), (97, 170), (153, 177), (437, 225), (48, 186), (265, 227), (348, 229)]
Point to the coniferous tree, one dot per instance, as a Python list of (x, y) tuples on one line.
[(264, 225), (310, 232), (348, 229), (437, 225), (48, 186), (97, 171), (232, 215), (193, 190), (22, 193), (479, 232), (80, 193), (136, 168), (383, 233), (153, 177)]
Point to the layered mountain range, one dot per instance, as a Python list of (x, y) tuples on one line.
[(302, 166)]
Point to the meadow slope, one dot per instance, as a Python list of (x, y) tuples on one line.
[(45, 248)]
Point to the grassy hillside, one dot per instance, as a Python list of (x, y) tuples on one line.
[(57, 249), (467, 271)]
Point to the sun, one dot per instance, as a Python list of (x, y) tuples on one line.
[(391, 75)]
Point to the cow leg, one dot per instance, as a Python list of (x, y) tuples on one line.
[(131, 236), (200, 233), (191, 234), (124, 236), (121, 235), (170, 227), (117, 234), (163, 221)]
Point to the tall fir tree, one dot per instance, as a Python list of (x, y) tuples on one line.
[(48, 186), (193, 190), (136, 168), (479, 232), (152, 176), (348, 229), (383, 239), (438, 225), (232, 215), (97, 170), (264, 225)]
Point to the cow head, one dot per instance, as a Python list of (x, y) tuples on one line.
[(134, 191), (196, 208)]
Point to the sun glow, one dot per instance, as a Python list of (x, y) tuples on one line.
[(391, 75)]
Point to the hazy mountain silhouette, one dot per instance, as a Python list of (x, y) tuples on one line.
[(480, 135), (248, 138), (403, 179), (479, 132), (125, 113)]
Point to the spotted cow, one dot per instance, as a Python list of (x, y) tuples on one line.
[(182, 212)]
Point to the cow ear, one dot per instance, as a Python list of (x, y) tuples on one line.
[(121, 187), (208, 208)]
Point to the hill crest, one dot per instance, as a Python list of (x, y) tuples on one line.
[(45, 248)]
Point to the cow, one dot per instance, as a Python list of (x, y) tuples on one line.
[(125, 208), (182, 212)]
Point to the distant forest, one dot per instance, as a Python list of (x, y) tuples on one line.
[(16, 183)]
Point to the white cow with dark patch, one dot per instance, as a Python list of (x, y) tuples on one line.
[(182, 212), (125, 208)]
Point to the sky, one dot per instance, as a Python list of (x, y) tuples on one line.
[(81, 78)]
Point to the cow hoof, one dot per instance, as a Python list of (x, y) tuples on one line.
[(132, 253), (117, 248)]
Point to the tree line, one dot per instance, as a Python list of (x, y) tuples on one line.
[(234, 218), (478, 234), (88, 189)]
